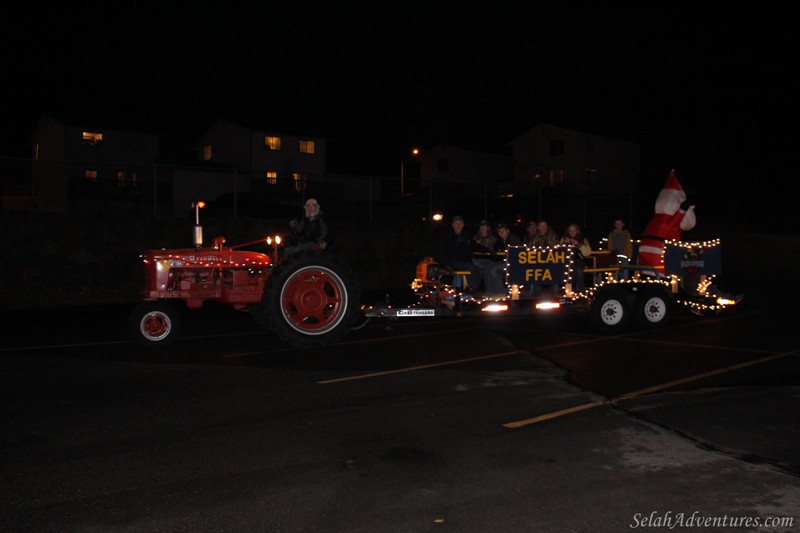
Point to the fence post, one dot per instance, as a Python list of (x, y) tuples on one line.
[(539, 198), (155, 188), (370, 199), (485, 201), (630, 211), (584, 207)]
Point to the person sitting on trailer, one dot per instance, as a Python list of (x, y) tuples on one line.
[(620, 242), (574, 237), (540, 234), (495, 276), (455, 249), (482, 253)]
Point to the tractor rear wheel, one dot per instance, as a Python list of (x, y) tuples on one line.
[(155, 324), (311, 299)]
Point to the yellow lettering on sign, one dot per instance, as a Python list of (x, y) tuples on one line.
[(538, 257), (538, 274)]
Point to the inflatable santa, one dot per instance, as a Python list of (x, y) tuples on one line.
[(673, 215)]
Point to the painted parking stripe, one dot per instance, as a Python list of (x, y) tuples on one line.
[(642, 392), (347, 343), (419, 367)]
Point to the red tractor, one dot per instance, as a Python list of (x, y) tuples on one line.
[(306, 299)]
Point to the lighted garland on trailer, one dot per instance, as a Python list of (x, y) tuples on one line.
[(705, 281), (699, 244), (670, 282), (590, 292)]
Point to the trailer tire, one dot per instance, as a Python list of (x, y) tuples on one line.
[(611, 310), (155, 324), (311, 299), (652, 308)]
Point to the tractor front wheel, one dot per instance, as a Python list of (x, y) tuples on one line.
[(155, 324)]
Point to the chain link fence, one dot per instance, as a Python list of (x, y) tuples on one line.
[(161, 190)]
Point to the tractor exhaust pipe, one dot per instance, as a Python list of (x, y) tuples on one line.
[(198, 229)]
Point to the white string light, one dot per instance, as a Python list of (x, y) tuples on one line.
[(609, 277)]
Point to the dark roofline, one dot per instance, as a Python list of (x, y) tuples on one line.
[(76, 120)]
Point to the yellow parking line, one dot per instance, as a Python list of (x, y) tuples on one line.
[(345, 343), (555, 414), (419, 367), (405, 336), (701, 346), (642, 392), (456, 361)]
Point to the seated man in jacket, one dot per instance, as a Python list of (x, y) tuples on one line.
[(311, 231), (574, 237), (482, 253), (495, 276), (455, 249)]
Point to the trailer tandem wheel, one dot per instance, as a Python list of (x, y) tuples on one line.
[(652, 307), (611, 309)]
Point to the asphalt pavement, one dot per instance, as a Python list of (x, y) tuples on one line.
[(98, 437)]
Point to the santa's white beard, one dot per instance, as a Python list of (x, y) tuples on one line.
[(669, 201)]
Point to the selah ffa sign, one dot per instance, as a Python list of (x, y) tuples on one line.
[(538, 266)]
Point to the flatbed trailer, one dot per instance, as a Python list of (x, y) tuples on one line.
[(541, 280)]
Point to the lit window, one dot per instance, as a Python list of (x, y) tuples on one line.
[(207, 152), (306, 147), (272, 177), (90, 175), (122, 179), (556, 177), (92, 138), (299, 182), (273, 143), (36, 151)]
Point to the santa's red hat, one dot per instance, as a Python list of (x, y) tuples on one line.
[(672, 182)]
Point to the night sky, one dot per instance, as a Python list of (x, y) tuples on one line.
[(711, 93)]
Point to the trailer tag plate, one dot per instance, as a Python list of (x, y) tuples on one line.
[(416, 312)]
